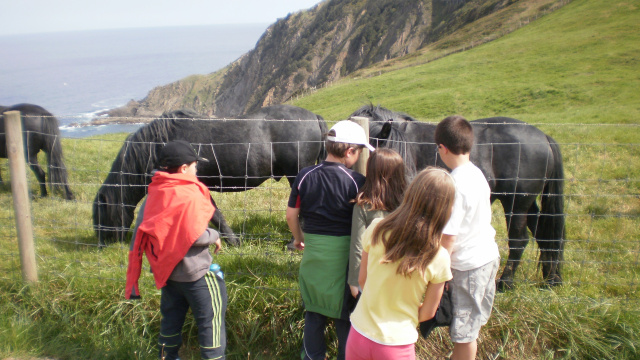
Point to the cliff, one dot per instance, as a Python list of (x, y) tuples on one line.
[(310, 48)]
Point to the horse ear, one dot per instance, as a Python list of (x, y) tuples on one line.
[(386, 129)]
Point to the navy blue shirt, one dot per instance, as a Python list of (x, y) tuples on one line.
[(323, 193)]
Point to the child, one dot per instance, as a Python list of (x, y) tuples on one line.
[(175, 238), (380, 195), (469, 237), (402, 262), (322, 195)]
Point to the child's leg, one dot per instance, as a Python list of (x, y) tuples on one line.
[(208, 299), (173, 307), (464, 351), (342, 331), (361, 348), (313, 342), (472, 297), (357, 346)]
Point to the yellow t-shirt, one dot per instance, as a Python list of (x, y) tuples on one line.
[(387, 312)]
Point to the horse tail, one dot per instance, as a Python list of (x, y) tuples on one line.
[(57, 174), (324, 129), (550, 229)]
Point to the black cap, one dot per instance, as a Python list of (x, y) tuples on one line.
[(176, 153)]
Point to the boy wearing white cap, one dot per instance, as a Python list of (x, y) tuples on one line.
[(321, 195)]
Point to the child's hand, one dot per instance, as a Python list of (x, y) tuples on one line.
[(298, 244), (218, 245), (354, 291)]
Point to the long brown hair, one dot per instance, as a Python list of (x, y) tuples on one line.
[(412, 233), (385, 182)]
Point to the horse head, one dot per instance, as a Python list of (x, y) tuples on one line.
[(125, 185), (386, 129)]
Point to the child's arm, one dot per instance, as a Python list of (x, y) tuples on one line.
[(364, 260), (294, 225), (447, 242), (358, 226), (428, 308), (209, 237)]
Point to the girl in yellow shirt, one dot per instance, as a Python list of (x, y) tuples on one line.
[(403, 270)]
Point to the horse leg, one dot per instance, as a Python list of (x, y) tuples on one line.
[(40, 176), (550, 268), (224, 229), (67, 193), (518, 240)]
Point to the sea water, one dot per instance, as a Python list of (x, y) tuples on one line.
[(76, 75)]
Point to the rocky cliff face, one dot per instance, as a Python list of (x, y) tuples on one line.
[(308, 48)]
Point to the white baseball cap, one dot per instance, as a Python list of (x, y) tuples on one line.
[(349, 132)]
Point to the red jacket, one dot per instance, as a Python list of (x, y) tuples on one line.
[(177, 212)]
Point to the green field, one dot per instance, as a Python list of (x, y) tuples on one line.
[(573, 73)]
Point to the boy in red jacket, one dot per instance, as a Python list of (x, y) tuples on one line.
[(175, 237)]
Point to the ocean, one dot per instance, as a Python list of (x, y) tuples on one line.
[(76, 75)]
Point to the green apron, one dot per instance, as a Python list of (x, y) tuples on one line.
[(323, 273)]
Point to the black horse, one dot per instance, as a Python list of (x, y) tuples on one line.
[(40, 132), (276, 141), (519, 161)]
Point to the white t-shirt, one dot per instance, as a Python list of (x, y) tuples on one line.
[(470, 222)]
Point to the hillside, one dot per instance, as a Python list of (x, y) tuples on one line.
[(336, 38), (576, 65)]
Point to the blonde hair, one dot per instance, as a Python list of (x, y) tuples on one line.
[(412, 233)]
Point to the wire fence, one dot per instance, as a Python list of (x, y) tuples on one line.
[(601, 200)]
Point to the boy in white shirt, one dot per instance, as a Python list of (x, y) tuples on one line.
[(469, 237)]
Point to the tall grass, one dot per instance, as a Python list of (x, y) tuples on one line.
[(573, 73)]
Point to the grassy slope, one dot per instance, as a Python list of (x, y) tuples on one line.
[(577, 65)]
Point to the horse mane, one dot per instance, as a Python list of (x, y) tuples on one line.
[(396, 140), (381, 114), (131, 170), (138, 154)]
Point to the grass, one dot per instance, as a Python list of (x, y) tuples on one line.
[(573, 73)]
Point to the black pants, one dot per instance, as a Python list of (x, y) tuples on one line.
[(207, 298), (313, 342)]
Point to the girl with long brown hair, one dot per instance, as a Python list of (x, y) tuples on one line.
[(403, 270), (380, 195)]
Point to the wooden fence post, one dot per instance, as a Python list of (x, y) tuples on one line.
[(15, 153), (361, 165)]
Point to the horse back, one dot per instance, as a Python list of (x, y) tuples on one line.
[(512, 153), (274, 142), (40, 125)]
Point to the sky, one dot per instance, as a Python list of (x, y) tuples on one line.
[(40, 16)]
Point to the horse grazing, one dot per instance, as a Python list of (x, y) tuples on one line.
[(40, 132), (274, 142), (519, 161)]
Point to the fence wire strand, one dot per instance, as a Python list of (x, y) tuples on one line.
[(602, 207)]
